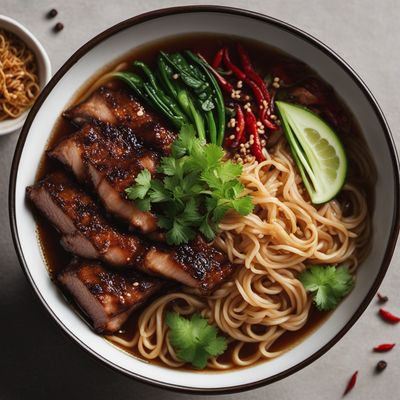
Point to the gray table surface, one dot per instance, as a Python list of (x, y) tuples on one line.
[(37, 361)]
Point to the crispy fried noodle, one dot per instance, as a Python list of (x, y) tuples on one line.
[(269, 248), (19, 82)]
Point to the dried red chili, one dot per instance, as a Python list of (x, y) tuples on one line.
[(351, 383), (230, 65), (251, 124), (384, 347), (251, 73), (217, 59), (240, 125), (389, 317)]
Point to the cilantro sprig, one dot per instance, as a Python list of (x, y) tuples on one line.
[(196, 190), (194, 340), (327, 284)]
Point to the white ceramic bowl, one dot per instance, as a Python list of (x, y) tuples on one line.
[(44, 67), (115, 42)]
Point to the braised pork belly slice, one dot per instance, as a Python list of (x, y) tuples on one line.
[(119, 107), (109, 159), (197, 264), (107, 296), (85, 232)]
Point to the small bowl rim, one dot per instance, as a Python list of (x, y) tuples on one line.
[(40, 52), (394, 228)]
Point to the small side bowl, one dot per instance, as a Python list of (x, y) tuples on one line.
[(44, 67)]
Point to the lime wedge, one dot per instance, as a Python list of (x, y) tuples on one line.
[(317, 150)]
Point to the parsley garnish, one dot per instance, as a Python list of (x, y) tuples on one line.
[(194, 340), (328, 285), (196, 190)]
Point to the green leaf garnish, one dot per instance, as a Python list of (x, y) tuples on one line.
[(194, 340), (197, 190), (328, 285)]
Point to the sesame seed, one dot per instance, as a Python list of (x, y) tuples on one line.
[(273, 117), (232, 137), (259, 123), (241, 144), (136, 284), (276, 85), (276, 79), (237, 129), (240, 84), (251, 137), (175, 76), (247, 145), (251, 142), (140, 113), (263, 142), (265, 103)]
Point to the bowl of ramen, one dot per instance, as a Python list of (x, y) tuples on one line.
[(24, 70), (197, 213)]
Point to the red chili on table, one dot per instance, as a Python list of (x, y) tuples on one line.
[(388, 317), (384, 347), (351, 383)]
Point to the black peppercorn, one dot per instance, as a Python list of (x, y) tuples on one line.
[(52, 13), (58, 27), (380, 366)]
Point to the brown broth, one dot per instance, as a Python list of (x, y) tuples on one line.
[(57, 258)]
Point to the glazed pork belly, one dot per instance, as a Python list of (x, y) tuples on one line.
[(119, 107), (107, 296), (87, 234), (109, 159)]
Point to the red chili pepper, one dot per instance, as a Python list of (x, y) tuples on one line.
[(251, 73), (230, 65), (264, 119), (251, 123), (217, 59), (384, 347), (221, 80), (351, 383), (240, 125), (389, 317)]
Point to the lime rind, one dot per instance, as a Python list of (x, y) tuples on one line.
[(317, 150)]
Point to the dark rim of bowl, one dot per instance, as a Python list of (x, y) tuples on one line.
[(394, 229)]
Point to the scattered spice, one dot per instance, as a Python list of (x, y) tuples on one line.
[(380, 366), (58, 27), (351, 383), (382, 299), (384, 347), (388, 317), (52, 13)]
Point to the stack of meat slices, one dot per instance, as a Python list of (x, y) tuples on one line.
[(113, 272)]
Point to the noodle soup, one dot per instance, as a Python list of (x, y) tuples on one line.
[(263, 309)]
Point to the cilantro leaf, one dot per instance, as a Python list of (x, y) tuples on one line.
[(328, 285), (142, 186), (194, 339), (195, 192)]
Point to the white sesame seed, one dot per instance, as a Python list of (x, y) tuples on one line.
[(140, 113), (265, 103), (136, 284), (276, 79), (276, 85), (232, 137), (247, 145), (273, 117), (240, 84), (175, 76), (259, 123)]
